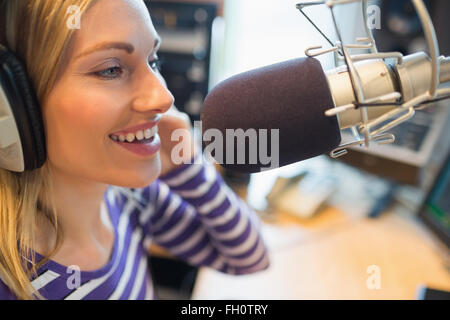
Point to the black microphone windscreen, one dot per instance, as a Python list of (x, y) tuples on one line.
[(291, 96)]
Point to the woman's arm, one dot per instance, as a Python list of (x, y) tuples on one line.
[(198, 218)]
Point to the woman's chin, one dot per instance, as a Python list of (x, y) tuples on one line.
[(141, 177)]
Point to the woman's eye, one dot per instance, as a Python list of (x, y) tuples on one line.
[(110, 73), (117, 71)]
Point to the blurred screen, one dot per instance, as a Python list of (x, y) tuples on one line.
[(436, 211)]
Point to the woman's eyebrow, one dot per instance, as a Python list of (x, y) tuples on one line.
[(128, 47)]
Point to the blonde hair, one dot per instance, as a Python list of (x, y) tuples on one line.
[(36, 31)]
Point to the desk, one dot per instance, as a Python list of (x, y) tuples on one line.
[(328, 257)]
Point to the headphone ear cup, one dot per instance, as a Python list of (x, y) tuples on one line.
[(26, 109)]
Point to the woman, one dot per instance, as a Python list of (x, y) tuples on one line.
[(80, 226)]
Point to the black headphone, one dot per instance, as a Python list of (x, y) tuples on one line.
[(22, 134)]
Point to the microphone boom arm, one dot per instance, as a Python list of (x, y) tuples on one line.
[(403, 104)]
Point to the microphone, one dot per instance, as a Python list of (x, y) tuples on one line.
[(281, 107), (291, 111)]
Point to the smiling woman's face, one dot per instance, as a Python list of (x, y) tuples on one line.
[(109, 83)]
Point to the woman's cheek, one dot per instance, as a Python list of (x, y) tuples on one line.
[(74, 127)]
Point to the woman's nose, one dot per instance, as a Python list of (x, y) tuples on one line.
[(152, 94)]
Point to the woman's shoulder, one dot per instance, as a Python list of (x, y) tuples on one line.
[(141, 197), (128, 201), (5, 292)]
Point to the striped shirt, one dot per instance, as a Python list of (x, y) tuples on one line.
[(190, 212)]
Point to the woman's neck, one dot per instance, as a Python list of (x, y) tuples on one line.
[(77, 203)]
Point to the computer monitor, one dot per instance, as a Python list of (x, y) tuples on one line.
[(435, 212)]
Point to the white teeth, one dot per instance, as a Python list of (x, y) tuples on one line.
[(140, 135), (151, 132), (130, 137), (148, 133)]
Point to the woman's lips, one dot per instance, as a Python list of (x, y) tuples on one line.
[(143, 148), (140, 127)]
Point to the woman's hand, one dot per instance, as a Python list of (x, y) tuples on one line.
[(171, 121)]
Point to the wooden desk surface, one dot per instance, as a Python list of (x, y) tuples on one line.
[(328, 257)]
